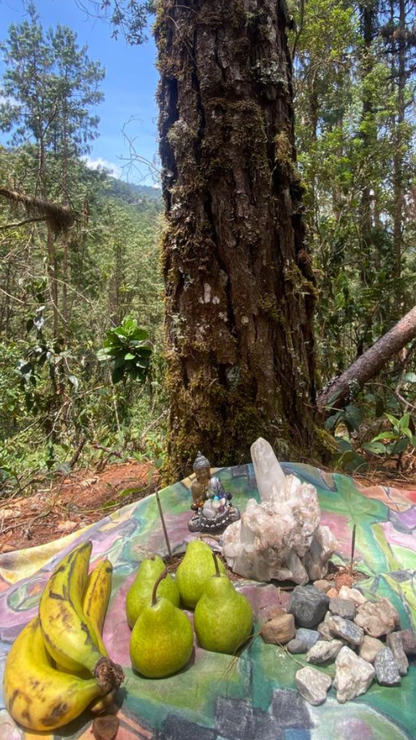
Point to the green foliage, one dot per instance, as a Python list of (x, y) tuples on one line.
[(352, 125), (128, 349), (62, 300), (400, 439), (49, 86), (129, 17)]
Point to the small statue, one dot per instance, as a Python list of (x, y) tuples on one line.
[(210, 502)]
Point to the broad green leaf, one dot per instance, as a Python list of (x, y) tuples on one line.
[(333, 420), (404, 421), (385, 435), (117, 374), (393, 421), (375, 447), (409, 378), (353, 416), (119, 362)]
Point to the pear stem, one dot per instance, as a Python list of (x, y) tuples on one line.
[(158, 580), (217, 570), (162, 519)]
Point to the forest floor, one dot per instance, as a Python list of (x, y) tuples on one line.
[(86, 496), (71, 503)]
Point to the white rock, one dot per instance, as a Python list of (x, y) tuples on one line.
[(280, 538), (353, 675), (353, 594), (313, 685), (377, 618)]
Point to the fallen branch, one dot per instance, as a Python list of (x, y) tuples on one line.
[(336, 395)]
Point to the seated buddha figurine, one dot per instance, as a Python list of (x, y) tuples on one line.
[(210, 502)]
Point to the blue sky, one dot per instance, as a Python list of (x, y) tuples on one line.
[(129, 85)]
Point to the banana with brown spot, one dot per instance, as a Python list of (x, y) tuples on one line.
[(69, 635), (37, 695)]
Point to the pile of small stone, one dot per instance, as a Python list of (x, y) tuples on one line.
[(346, 629)]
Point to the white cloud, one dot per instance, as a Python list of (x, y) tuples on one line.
[(100, 163)]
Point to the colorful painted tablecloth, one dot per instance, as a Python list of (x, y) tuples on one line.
[(219, 697)]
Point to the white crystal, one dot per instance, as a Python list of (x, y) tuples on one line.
[(269, 474), (281, 538)]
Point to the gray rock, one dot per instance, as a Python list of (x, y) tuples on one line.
[(323, 652), (409, 641), (309, 637), (308, 605), (296, 646), (345, 608), (348, 631), (313, 685), (394, 642), (353, 675), (369, 648), (304, 640), (387, 670)]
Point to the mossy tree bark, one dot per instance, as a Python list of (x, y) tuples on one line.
[(239, 284)]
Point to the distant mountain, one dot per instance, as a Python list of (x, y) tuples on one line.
[(132, 193)]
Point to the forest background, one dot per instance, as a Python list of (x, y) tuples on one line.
[(81, 291)]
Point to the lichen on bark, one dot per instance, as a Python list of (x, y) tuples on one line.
[(239, 284)]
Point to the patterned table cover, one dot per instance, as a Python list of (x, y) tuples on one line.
[(218, 697)]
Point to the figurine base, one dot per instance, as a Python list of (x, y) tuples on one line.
[(200, 523)]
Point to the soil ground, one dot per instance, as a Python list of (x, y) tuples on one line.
[(71, 503), (86, 496)]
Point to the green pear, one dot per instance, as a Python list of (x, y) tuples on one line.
[(140, 591), (194, 571), (162, 639), (223, 617)]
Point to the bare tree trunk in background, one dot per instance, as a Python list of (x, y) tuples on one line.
[(50, 240), (367, 11), (239, 284), (400, 74)]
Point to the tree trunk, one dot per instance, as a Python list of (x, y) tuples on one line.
[(366, 226), (239, 284), (51, 267), (398, 158), (369, 364)]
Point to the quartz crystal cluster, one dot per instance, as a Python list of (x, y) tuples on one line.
[(280, 538)]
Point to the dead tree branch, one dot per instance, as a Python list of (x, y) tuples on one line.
[(58, 217), (335, 395)]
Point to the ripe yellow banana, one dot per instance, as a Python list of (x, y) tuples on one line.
[(69, 637), (95, 600), (37, 695)]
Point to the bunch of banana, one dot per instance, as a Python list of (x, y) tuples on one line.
[(58, 664)]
